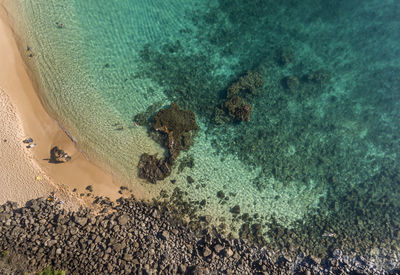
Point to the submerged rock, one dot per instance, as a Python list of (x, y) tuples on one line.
[(152, 168), (235, 210), (238, 109), (177, 125), (235, 108), (178, 128), (248, 83)]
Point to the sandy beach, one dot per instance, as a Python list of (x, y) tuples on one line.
[(22, 115)]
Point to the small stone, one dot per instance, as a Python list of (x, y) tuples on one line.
[(4, 216), (73, 230), (165, 235), (190, 179), (81, 221), (316, 260), (228, 252), (206, 218), (123, 219), (128, 257), (58, 251), (206, 252), (218, 248), (182, 268), (235, 209), (89, 188), (220, 194)]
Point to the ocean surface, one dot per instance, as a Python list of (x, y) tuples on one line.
[(317, 165)]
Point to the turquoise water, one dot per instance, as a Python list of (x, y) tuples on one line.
[(320, 153)]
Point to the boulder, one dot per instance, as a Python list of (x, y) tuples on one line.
[(80, 220), (58, 156), (235, 210), (206, 252), (218, 248), (228, 252), (123, 219)]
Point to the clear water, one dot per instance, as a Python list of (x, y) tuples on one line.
[(322, 158)]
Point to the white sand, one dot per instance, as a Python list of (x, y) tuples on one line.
[(18, 170)]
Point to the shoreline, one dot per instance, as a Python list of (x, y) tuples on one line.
[(42, 128), (18, 84)]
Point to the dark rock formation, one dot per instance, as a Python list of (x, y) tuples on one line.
[(178, 128), (58, 156), (235, 210), (152, 168)]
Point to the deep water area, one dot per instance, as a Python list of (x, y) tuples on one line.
[(315, 167)]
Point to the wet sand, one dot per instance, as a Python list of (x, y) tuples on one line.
[(32, 120)]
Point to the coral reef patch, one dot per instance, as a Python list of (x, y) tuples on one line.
[(235, 106)]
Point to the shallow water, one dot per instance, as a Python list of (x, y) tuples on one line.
[(318, 158)]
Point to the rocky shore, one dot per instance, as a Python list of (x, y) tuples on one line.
[(132, 237)]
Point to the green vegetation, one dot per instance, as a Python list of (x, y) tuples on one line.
[(49, 271), (4, 254)]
